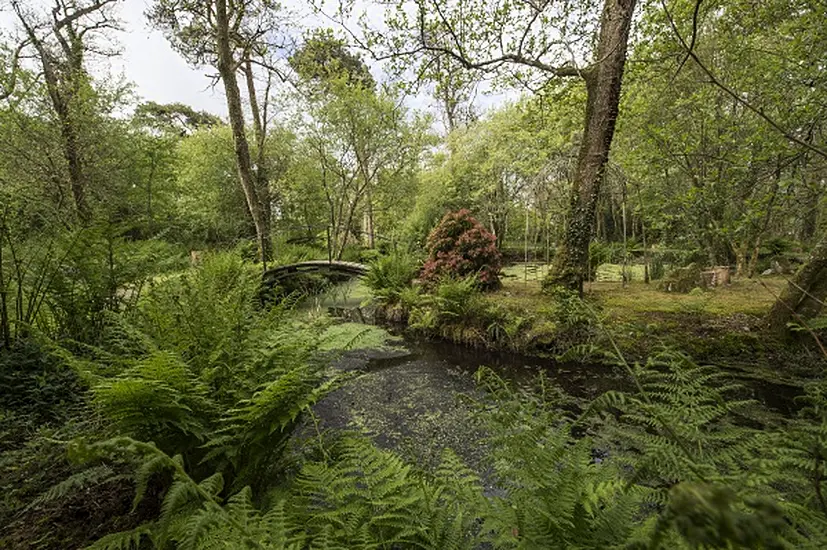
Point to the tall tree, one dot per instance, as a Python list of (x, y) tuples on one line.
[(361, 134), (531, 43), (61, 41), (230, 36)]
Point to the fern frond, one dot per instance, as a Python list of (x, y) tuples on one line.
[(76, 483), (126, 540)]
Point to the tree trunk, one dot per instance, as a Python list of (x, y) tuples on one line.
[(5, 323), (803, 296), (62, 94), (603, 83), (227, 70), (77, 179), (809, 218), (260, 131), (740, 259), (753, 261), (371, 234)]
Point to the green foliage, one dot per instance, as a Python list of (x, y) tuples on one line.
[(324, 59), (724, 482), (106, 332), (685, 421), (370, 497), (390, 275), (65, 284), (605, 253), (206, 374), (210, 208), (778, 246), (672, 466), (348, 336), (35, 390), (287, 252), (453, 309), (557, 494), (204, 314), (456, 310), (158, 398)]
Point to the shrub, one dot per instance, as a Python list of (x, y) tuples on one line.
[(460, 246), (204, 312), (682, 280), (36, 389), (778, 246), (456, 310), (453, 301), (390, 275), (66, 284), (202, 372)]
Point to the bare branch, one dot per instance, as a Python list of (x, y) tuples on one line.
[(730, 92), (694, 38), (76, 14)]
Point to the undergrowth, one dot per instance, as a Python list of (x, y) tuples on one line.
[(671, 465), (204, 373), (192, 400)]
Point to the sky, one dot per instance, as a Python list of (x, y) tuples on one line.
[(158, 72), (161, 75)]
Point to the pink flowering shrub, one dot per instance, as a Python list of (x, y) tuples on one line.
[(460, 246)]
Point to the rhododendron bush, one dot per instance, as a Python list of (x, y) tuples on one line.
[(460, 246)]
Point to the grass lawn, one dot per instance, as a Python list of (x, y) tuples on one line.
[(521, 288)]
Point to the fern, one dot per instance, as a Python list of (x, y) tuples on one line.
[(370, 497), (253, 436), (717, 484), (125, 540), (682, 423), (158, 399), (556, 494), (95, 475)]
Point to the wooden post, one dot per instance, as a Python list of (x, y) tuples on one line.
[(525, 250)]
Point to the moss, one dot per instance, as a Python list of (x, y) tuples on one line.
[(412, 406)]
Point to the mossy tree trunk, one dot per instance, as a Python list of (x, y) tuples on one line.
[(802, 298), (603, 84)]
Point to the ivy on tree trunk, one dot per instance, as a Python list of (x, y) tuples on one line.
[(603, 84)]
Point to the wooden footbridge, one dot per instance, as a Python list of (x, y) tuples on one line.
[(273, 276)]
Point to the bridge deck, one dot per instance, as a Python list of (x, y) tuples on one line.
[(274, 275)]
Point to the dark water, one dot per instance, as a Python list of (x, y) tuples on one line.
[(581, 380), (576, 379), (415, 398)]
